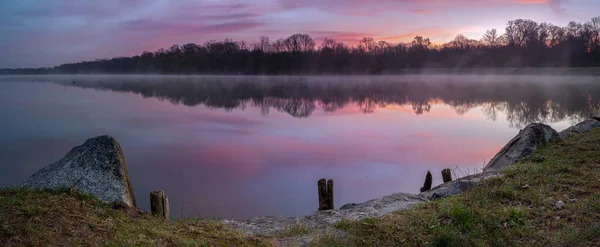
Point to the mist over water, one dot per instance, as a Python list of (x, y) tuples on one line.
[(242, 146)]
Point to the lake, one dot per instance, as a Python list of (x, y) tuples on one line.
[(243, 146)]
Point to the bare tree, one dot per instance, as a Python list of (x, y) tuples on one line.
[(299, 43), (491, 38), (383, 47), (328, 44), (278, 46), (420, 43), (573, 29), (264, 44), (521, 32), (461, 42), (366, 45), (557, 35)]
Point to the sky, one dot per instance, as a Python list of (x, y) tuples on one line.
[(43, 33)]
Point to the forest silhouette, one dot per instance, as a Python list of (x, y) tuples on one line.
[(525, 43)]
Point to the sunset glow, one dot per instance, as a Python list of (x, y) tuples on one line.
[(48, 33)]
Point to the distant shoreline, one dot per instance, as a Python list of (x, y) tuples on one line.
[(439, 71)]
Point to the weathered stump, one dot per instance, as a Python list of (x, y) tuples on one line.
[(428, 181), (325, 190), (159, 204), (329, 200), (447, 175)]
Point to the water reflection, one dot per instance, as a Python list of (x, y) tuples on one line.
[(522, 99), (251, 146)]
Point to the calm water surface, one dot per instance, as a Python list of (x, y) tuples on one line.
[(238, 147)]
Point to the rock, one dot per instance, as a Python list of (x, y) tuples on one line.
[(595, 116), (323, 219), (119, 205), (348, 205), (559, 204), (458, 186), (582, 127), (523, 145), (97, 167)]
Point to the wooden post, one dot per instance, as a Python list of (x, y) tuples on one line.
[(329, 200), (322, 190), (159, 204), (325, 189), (447, 175), (428, 181)]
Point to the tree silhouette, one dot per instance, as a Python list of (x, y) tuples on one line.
[(524, 43), (492, 39)]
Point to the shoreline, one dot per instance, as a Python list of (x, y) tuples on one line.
[(321, 220), (567, 71), (74, 216)]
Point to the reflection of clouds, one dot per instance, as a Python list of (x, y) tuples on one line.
[(423, 135), (167, 118), (245, 157)]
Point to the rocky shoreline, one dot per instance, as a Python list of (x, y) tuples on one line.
[(98, 168), (522, 146)]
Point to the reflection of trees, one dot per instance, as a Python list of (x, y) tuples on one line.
[(522, 103), (297, 107), (420, 107), (491, 109)]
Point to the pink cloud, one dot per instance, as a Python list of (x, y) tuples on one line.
[(372, 8), (148, 25), (346, 37), (423, 135), (423, 11), (428, 32)]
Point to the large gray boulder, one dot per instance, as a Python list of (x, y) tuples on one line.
[(523, 145), (582, 127), (97, 167)]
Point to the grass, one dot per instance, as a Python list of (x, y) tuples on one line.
[(294, 230), (517, 209), (66, 217)]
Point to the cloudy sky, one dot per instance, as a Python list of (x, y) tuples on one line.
[(36, 33)]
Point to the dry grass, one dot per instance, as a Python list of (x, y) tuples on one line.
[(65, 217), (516, 210), (294, 230)]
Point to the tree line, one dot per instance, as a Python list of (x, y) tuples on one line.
[(525, 43)]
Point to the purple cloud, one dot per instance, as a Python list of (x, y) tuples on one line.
[(48, 33)]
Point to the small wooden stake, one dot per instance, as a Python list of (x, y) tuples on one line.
[(325, 189), (159, 204), (329, 200), (447, 175), (322, 189), (428, 181)]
